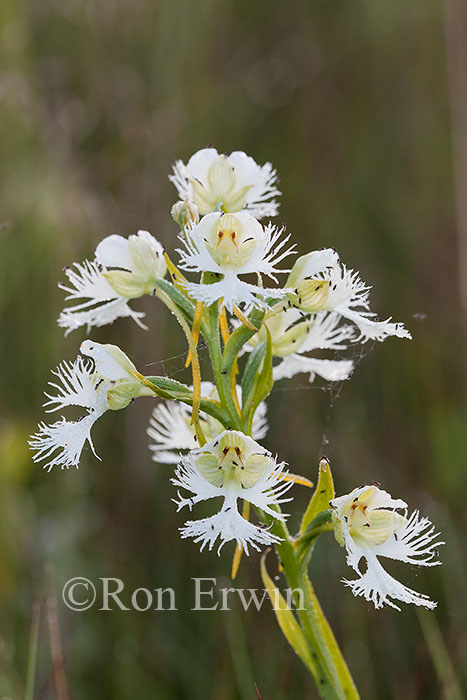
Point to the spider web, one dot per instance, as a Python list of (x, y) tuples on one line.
[(174, 367)]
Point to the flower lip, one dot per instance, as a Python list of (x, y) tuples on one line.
[(231, 241)]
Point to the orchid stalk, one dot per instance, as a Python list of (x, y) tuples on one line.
[(257, 330)]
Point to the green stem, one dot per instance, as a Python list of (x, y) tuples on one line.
[(332, 676), (221, 374)]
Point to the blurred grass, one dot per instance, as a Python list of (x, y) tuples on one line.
[(350, 102)]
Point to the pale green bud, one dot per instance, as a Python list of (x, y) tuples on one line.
[(185, 213), (122, 394), (145, 263), (127, 284)]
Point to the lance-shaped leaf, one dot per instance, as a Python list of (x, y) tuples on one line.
[(323, 493), (264, 383), (318, 631), (251, 369), (288, 623), (180, 299), (167, 388)]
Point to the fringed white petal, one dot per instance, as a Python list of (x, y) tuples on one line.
[(329, 370), (100, 316), (260, 427), (349, 297), (62, 442), (378, 587), (101, 305), (327, 333), (233, 292), (416, 542), (269, 490), (77, 386), (88, 282), (189, 478), (228, 525), (179, 178), (374, 330), (263, 179), (170, 432)]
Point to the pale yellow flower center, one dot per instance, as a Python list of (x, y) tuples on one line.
[(230, 243), (371, 526), (232, 461)]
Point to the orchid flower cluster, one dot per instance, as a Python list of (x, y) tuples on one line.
[(265, 316)]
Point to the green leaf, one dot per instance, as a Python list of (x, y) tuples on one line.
[(177, 297), (287, 622), (265, 380), (318, 631), (321, 523), (167, 388), (323, 493), (251, 370), (239, 337)]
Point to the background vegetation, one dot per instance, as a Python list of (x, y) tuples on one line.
[(350, 101)]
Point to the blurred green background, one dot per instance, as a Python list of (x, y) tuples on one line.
[(350, 101)]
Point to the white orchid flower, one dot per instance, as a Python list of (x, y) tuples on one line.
[(110, 381), (216, 182), (338, 289), (123, 269), (367, 525), (232, 466), (230, 246), (173, 434)]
